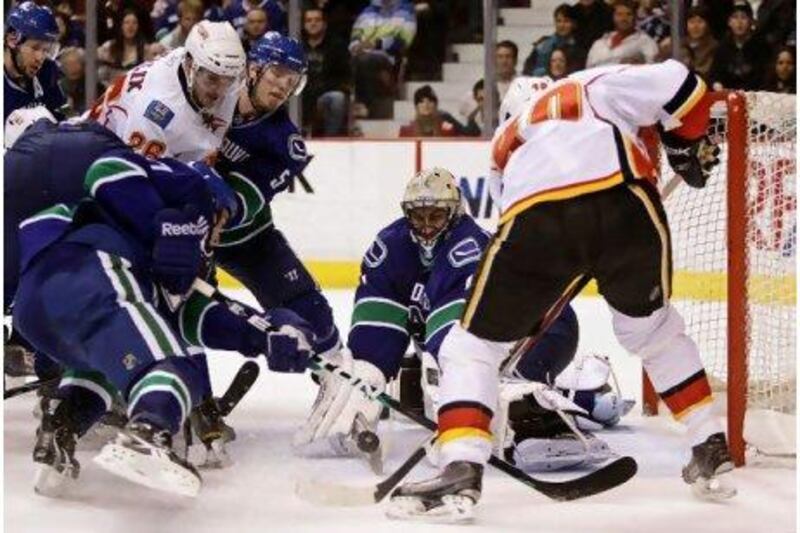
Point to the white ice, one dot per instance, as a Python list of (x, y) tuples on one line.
[(256, 494)]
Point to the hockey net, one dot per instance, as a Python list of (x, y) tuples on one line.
[(734, 257)]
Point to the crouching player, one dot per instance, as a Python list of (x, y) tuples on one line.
[(89, 295), (414, 280)]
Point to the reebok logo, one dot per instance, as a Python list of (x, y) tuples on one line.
[(199, 228)]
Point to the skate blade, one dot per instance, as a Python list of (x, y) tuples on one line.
[(216, 456), (148, 470), (51, 483), (455, 509), (717, 488)]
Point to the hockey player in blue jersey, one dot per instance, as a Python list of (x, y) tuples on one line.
[(414, 281), (30, 73), (92, 293), (260, 157), (44, 164)]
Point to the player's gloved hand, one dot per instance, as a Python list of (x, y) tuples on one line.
[(288, 341), (177, 248), (223, 195), (692, 160)]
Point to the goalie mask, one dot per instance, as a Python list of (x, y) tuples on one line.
[(432, 205)]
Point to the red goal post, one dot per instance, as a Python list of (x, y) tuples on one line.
[(734, 259)]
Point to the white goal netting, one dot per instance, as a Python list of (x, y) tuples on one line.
[(699, 224)]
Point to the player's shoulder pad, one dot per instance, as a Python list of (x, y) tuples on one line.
[(389, 238), (159, 113)]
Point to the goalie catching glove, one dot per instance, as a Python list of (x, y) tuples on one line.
[(692, 160), (332, 423)]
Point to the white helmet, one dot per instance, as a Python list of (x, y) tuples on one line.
[(21, 119), (520, 93), (216, 47)]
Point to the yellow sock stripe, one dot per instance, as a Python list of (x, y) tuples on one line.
[(463, 433), (689, 410)]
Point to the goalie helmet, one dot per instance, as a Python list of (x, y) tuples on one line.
[(435, 187), (520, 93)]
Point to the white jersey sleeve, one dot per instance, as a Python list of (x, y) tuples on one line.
[(637, 96)]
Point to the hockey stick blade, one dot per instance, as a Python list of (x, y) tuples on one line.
[(337, 494), (604, 478), (241, 384)]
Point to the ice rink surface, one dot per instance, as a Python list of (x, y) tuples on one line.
[(257, 493)]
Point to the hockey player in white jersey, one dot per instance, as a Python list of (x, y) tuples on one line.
[(577, 202), (182, 104)]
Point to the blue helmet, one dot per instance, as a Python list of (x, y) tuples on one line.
[(31, 21), (274, 48)]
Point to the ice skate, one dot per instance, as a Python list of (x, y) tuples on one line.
[(54, 452), (710, 460), (143, 454), (207, 425), (447, 498)]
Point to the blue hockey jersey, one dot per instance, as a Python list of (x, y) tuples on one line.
[(259, 159), (404, 295), (109, 220), (43, 89)]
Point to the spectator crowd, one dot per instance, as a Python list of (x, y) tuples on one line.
[(361, 52)]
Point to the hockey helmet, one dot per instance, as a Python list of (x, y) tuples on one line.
[(32, 21), (216, 47), (434, 187), (520, 93), (274, 48), (21, 119)]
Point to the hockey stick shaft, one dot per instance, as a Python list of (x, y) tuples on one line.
[(28, 387)]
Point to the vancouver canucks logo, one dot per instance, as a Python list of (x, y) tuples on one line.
[(297, 148), (376, 254), (465, 252)]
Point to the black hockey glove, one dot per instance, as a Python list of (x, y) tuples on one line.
[(692, 160)]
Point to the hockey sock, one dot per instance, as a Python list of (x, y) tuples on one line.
[(89, 394), (553, 352), (162, 398)]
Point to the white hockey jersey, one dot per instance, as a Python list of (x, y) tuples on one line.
[(148, 109), (581, 134)]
